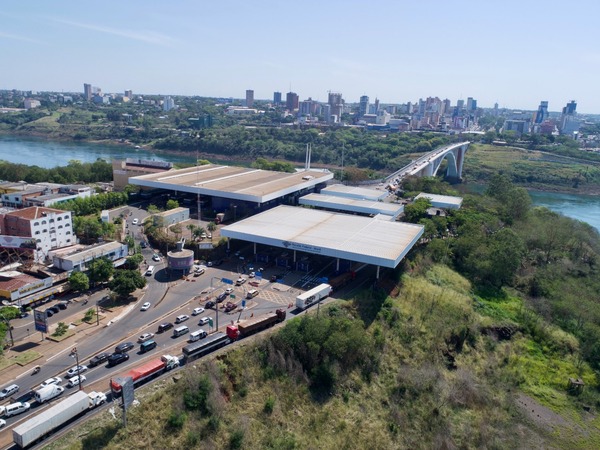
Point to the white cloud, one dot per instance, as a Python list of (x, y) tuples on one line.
[(150, 37), (18, 38)]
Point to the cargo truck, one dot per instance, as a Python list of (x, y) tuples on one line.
[(313, 296), (43, 424), (247, 327), (146, 371)]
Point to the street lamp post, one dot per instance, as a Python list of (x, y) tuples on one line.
[(75, 355)]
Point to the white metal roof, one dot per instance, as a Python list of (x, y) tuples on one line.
[(351, 204), (442, 201), (237, 183), (356, 238), (341, 190)]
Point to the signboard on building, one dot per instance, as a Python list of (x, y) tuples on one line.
[(31, 288), (40, 319)]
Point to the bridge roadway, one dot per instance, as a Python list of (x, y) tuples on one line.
[(420, 164)]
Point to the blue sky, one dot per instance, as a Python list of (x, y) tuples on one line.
[(515, 53)]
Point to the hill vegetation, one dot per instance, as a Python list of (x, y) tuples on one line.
[(429, 358)]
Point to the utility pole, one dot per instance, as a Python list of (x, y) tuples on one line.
[(75, 355)]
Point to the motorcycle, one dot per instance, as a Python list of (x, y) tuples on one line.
[(36, 369)]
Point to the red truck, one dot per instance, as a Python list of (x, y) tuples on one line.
[(145, 371), (251, 326)]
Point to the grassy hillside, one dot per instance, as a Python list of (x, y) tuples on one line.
[(435, 367), (531, 168)]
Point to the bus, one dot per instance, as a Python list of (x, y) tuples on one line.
[(207, 345)]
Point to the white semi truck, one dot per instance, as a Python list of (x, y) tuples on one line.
[(313, 296), (43, 424)]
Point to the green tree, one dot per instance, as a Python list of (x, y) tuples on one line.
[(417, 210), (79, 281), (126, 281), (100, 270), (172, 204), (133, 262), (211, 226)]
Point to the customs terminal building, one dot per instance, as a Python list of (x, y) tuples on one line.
[(334, 225)]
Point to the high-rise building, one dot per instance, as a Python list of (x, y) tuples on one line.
[(470, 104), (569, 123), (87, 91), (363, 106), (249, 98), (336, 102), (376, 105), (447, 106), (129, 93), (168, 103), (277, 98), (542, 112), (291, 101)]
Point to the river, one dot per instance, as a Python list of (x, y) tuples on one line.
[(47, 154)]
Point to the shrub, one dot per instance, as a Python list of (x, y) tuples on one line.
[(269, 404), (176, 420), (236, 439)]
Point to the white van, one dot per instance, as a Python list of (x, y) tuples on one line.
[(150, 271), (16, 408), (48, 393), (180, 331), (8, 391), (197, 335), (252, 293)]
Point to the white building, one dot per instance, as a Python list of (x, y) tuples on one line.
[(78, 258), (168, 103), (50, 228), (30, 103)]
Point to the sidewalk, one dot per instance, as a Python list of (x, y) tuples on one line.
[(48, 347)]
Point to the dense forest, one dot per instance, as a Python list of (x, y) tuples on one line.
[(469, 343), (74, 172)]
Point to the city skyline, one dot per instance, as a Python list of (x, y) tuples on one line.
[(516, 55)]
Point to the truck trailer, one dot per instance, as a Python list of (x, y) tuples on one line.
[(145, 371), (251, 326), (43, 424), (313, 296)]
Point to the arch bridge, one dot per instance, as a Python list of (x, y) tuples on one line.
[(429, 164)]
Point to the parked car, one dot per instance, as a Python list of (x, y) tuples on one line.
[(203, 321), (229, 291), (54, 309), (145, 306), (197, 311), (62, 306), (135, 221), (117, 358), (254, 283), (2, 422), (240, 281), (229, 306), (164, 327), (49, 313), (74, 370), (8, 391), (155, 257), (143, 244), (222, 296), (145, 337), (199, 271), (124, 347), (210, 304), (251, 275), (74, 381), (99, 359), (49, 381)]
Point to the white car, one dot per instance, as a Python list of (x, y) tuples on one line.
[(156, 257), (2, 423), (203, 321), (251, 275), (49, 381), (135, 221), (145, 337), (240, 281), (73, 370), (181, 318), (229, 291), (145, 306), (197, 311), (75, 380)]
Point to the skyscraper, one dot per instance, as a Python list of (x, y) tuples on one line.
[(277, 98), (291, 101), (542, 112), (569, 123), (337, 104), (363, 107), (249, 98), (168, 103), (129, 93), (87, 91)]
